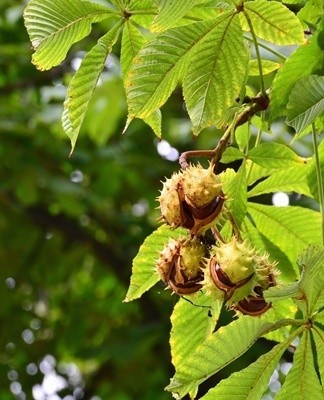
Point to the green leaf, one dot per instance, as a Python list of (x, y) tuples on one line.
[(161, 63), (263, 244), (215, 72), (257, 172), (155, 122), (312, 172), (53, 26), (84, 82), (293, 179), (251, 382), (171, 12), (267, 67), (302, 382), (318, 336), (158, 67), (306, 60), (144, 275), (274, 155), (311, 13), (306, 102), (231, 154), (236, 193), (290, 228), (132, 41), (218, 350), (312, 280), (274, 22), (242, 136), (191, 325), (282, 292)]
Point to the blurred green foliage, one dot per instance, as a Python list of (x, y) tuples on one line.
[(69, 228)]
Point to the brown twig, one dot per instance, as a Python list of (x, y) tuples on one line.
[(259, 103)]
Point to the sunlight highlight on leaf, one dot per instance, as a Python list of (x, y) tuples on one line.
[(84, 82), (53, 26)]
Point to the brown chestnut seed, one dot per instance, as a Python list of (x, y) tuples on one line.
[(253, 305)]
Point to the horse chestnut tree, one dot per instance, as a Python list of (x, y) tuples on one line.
[(245, 68)]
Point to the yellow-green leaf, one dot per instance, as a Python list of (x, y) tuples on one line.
[(53, 26)]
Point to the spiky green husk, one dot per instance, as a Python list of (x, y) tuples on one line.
[(200, 185)]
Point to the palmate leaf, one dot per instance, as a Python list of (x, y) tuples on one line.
[(84, 82), (306, 102), (215, 73), (144, 275), (290, 228), (170, 12), (306, 60), (274, 155), (191, 325), (251, 382), (274, 22), (293, 179), (217, 351), (162, 62), (53, 26), (302, 382)]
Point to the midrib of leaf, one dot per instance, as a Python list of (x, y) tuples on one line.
[(171, 75), (215, 62), (296, 225), (283, 225)]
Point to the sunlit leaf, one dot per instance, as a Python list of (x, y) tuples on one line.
[(311, 13), (263, 244), (192, 322), (274, 155), (251, 382), (236, 193), (274, 22), (312, 280), (53, 26), (218, 350), (293, 179), (306, 102), (162, 62), (267, 67), (144, 275), (84, 82), (306, 60), (231, 154), (132, 41), (290, 228), (215, 73), (302, 382), (170, 12)]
